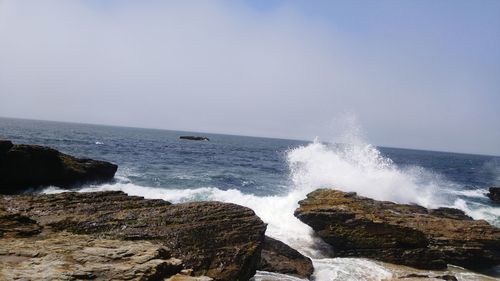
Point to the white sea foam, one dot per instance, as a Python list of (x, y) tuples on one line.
[(356, 166), (348, 269)]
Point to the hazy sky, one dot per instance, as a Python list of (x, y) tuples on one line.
[(418, 74)]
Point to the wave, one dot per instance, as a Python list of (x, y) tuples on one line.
[(356, 166)]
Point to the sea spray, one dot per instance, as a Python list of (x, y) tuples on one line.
[(348, 166), (357, 167)]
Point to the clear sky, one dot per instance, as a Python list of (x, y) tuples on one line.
[(417, 74)]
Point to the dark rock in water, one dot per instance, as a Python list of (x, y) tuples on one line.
[(279, 257), (398, 233), (219, 240), (195, 138), (446, 277), (26, 166), (494, 194), (5, 145)]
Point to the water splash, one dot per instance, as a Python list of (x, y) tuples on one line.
[(358, 167), (349, 163)]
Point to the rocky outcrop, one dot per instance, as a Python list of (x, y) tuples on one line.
[(494, 194), (411, 235), (27, 166), (220, 240), (279, 257), (195, 138), (64, 256)]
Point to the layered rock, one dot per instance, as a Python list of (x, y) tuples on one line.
[(219, 240), (494, 194), (64, 256), (27, 166), (279, 257), (411, 235)]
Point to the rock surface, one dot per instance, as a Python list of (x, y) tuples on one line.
[(279, 257), (64, 256), (397, 233), (422, 277), (27, 166), (219, 240), (181, 277), (494, 194)]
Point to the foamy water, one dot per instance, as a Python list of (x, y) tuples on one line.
[(358, 167)]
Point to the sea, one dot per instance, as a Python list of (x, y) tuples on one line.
[(270, 176)]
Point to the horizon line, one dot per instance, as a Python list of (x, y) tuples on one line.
[(235, 135)]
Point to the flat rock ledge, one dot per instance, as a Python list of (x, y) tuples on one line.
[(220, 240), (30, 166), (410, 235), (65, 256)]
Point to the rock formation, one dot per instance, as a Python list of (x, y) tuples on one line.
[(494, 194), (279, 257), (65, 256), (410, 235), (195, 138), (27, 166), (220, 240)]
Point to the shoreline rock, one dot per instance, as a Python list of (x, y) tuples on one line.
[(30, 166), (220, 240), (280, 258), (65, 256), (411, 235), (494, 194)]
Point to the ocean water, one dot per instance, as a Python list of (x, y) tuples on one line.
[(272, 175)]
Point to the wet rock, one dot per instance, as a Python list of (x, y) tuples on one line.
[(220, 240), (494, 194), (182, 277), (278, 257), (28, 166), (64, 256), (5, 145), (415, 276), (410, 235), (195, 138)]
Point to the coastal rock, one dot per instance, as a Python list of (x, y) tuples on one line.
[(195, 138), (64, 256), (422, 277), (182, 277), (5, 145), (494, 194), (410, 235), (26, 166), (278, 257), (220, 240)]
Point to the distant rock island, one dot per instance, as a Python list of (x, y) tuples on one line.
[(195, 138)]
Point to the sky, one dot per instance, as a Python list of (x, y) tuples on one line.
[(415, 74)]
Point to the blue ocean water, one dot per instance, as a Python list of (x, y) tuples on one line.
[(272, 175)]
